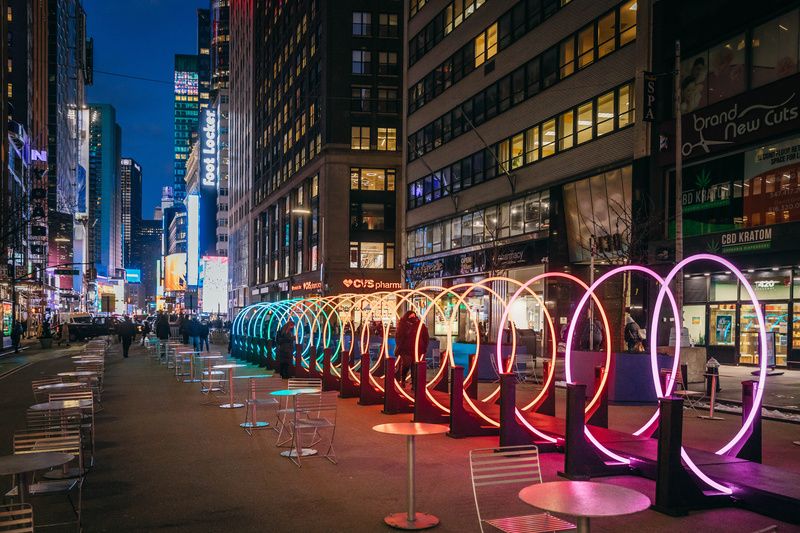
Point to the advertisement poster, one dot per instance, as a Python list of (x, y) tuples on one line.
[(724, 329), (214, 277), (772, 184), (175, 272)]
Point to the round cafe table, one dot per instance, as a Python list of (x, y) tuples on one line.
[(411, 519), (584, 500), (81, 374), (192, 354), (231, 367), (61, 404), (59, 386), (19, 465), (293, 394)]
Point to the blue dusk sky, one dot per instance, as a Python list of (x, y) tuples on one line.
[(140, 38)]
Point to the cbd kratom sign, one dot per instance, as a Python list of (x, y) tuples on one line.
[(749, 240)]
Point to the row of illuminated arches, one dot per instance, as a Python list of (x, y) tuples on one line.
[(341, 324)]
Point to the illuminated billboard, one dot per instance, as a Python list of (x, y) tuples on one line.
[(208, 145), (175, 272), (133, 275), (186, 83), (215, 284), (192, 238)]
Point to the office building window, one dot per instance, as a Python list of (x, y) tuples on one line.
[(486, 45), (387, 139), (362, 62), (359, 137), (371, 255), (362, 23), (387, 25), (775, 49), (372, 179), (360, 99), (627, 22), (387, 63), (388, 100)]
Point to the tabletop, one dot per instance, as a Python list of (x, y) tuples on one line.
[(411, 428), (584, 498), (188, 351), (231, 365), (28, 462), (292, 392), (210, 357), (61, 404), (88, 361), (56, 386), (84, 373), (259, 376)]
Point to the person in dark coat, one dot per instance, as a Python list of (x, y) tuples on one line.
[(204, 330), (404, 338), (194, 333), (162, 327), (145, 330), (127, 333), (285, 341), (16, 335), (183, 328)]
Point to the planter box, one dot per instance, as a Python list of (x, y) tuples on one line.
[(46, 343)]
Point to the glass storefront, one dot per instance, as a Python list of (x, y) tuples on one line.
[(726, 321)]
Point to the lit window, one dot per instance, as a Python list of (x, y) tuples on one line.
[(624, 106), (486, 45), (387, 63), (565, 130), (387, 25), (362, 23), (517, 151), (359, 137), (627, 22), (605, 113), (549, 138), (362, 60), (606, 31), (585, 120), (387, 139), (567, 57), (586, 46)]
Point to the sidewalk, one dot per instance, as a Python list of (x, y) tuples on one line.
[(165, 461)]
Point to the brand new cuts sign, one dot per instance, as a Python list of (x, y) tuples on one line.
[(208, 152), (754, 115)]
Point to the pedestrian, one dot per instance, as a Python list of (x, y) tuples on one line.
[(16, 335), (183, 328), (193, 328), (64, 338), (633, 334), (162, 327), (404, 349), (285, 340), (204, 336), (127, 333), (145, 330)]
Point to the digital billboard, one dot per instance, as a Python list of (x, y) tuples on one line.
[(215, 284), (133, 275), (208, 145), (175, 272), (192, 238)]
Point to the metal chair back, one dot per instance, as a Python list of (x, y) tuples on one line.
[(503, 471), (304, 383), (16, 518)]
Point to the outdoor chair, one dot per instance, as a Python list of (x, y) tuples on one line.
[(69, 442), (286, 411), (16, 518), (317, 413), (87, 418), (39, 396), (690, 397), (497, 475), (259, 390)]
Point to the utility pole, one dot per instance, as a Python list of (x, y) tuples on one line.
[(678, 192)]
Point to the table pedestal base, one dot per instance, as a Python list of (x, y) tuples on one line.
[(421, 521), (254, 425), (231, 405), (305, 452), (582, 524), (710, 417)]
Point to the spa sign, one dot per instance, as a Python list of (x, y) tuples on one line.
[(754, 115)]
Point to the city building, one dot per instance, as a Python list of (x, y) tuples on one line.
[(220, 44), (240, 159), (131, 189), (105, 221), (740, 173), (147, 253), (326, 156), (524, 150), (186, 116), (69, 61), (204, 57)]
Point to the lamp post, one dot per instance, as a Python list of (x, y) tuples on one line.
[(320, 241)]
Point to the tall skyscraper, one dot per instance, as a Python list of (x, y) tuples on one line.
[(241, 152), (204, 56), (105, 201), (220, 44), (327, 120), (131, 188), (146, 254), (186, 113), (220, 103)]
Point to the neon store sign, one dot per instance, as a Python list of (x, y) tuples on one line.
[(209, 151)]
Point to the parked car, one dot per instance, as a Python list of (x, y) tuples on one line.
[(85, 326)]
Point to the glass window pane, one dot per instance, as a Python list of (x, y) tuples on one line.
[(694, 82), (372, 179), (726, 75), (532, 144), (625, 106), (566, 59), (605, 113), (549, 138), (606, 28), (627, 22), (775, 49), (585, 120), (532, 213), (517, 216), (586, 46), (565, 129), (354, 176), (517, 151)]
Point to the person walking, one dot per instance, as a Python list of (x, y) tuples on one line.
[(404, 338), (285, 341), (162, 327), (193, 328), (16, 335), (183, 328), (127, 333), (64, 338), (204, 330), (145, 330), (633, 334)]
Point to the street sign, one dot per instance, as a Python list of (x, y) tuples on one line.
[(65, 272)]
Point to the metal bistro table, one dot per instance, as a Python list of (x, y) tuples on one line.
[(255, 424), (293, 394), (230, 368), (584, 500), (19, 465), (60, 386), (411, 519)]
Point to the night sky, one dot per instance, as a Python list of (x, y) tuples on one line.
[(139, 38)]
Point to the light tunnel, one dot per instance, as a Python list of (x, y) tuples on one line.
[(357, 324)]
